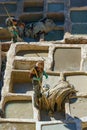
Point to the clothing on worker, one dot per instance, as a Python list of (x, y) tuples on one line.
[(38, 28), (43, 26), (45, 74), (40, 72), (14, 34), (20, 28)]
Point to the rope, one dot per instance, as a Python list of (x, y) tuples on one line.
[(40, 56), (7, 12)]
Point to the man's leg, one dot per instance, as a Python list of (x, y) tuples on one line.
[(36, 89)]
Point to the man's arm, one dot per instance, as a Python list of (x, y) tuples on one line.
[(45, 74)]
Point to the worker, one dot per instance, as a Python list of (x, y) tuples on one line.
[(12, 28), (36, 75), (21, 28)]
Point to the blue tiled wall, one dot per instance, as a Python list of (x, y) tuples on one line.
[(54, 35), (10, 7), (79, 28), (55, 7), (78, 3), (78, 16)]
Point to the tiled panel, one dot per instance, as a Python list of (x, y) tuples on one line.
[(79, 28), (67, 59), (78, 16), (79, 82), (17, 126), (78, 3), (55, 7), (19, 109), (78, 107), (11, 8)]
